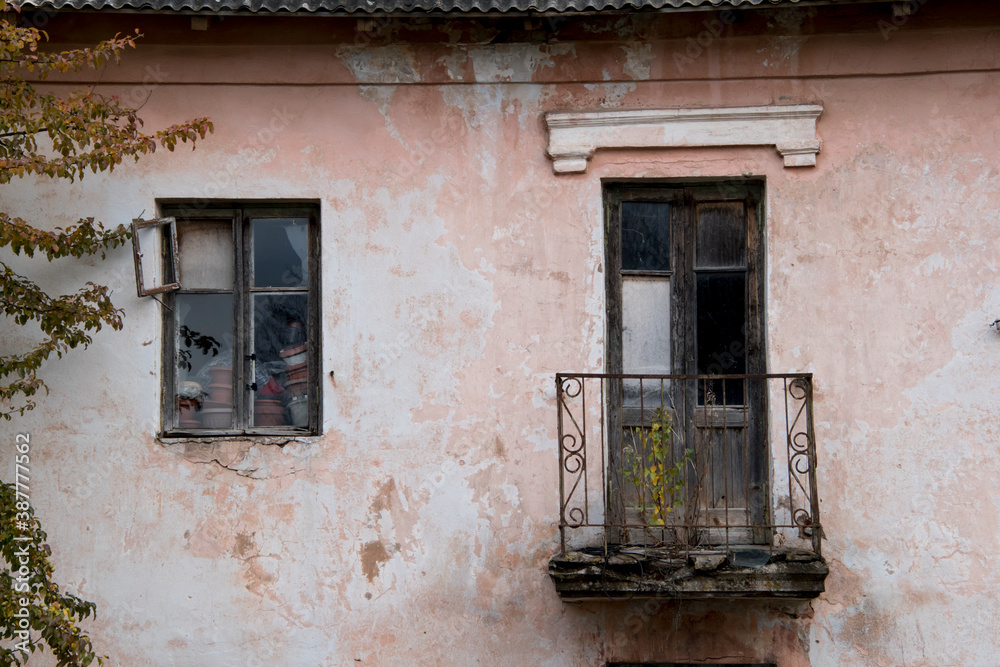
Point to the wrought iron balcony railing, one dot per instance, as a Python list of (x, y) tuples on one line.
[(687, 465)]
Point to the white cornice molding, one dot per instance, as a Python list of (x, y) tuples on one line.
[(791, 129)]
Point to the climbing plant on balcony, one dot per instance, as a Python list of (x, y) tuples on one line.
[(651, 469)]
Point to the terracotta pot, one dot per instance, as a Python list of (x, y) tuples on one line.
[(220, 393), (221, 375), (187, 416), (187, 404), (297, 371), (295, 354), (297, 387), (221, 386), (268, 412)]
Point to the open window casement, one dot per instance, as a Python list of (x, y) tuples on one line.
[(241, 338), (155, 254)]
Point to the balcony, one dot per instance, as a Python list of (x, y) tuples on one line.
[(687, 486)]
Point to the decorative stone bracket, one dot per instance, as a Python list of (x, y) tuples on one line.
[(791, 129)]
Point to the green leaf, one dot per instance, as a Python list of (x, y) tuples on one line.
[(78, 131)]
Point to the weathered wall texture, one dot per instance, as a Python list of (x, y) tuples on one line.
[(459, 274)]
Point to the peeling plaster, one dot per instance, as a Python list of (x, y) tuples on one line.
[(373, 556), (381, 97), (255, 458), (455, 63), (458, 276), (612, 94), (392, 64), (514, 62), (638, 58)]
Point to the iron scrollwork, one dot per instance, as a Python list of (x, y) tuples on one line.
[(573, 453)]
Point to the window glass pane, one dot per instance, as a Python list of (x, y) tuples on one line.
[(645, 334), (721, 348), (204, 353), (645, 236), (205, 249), (722, 236), (280, 252), (282, 371)]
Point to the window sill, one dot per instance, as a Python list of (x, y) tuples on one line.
[(263, 437), (590, 575)]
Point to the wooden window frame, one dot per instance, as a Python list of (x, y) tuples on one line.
[(241, 213), (683, 198), (167, 282)]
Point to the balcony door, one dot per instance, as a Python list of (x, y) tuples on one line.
[(688, 455)]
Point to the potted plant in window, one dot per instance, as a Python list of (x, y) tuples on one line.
[(189, 398)]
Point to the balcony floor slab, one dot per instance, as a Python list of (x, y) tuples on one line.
[(631, 573)]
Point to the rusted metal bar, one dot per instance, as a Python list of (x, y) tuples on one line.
[(817, 536), (562, 478), (671, 376), (639, 488)]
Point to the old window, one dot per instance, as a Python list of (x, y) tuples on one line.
[(241, 335), (684, 294), (685, 469)]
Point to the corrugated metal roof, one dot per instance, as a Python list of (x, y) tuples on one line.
[(404, 6)]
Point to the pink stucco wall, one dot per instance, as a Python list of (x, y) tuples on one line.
[(460, 273)]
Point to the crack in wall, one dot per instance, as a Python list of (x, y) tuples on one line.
[(260, 458)]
